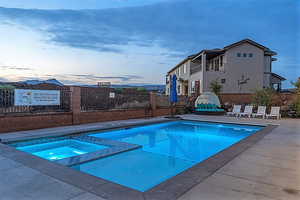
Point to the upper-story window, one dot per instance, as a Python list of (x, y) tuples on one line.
[(178, 71), (250, 55), (217, 65), (238, 54), (207, 66), (244, 55), (221, 61)]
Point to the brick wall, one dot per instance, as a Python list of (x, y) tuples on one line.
[(34, 121), (236, 98), (90, 117), (37, 121), (281, 99)]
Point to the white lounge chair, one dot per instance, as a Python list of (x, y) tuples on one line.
[(261, 112), (275, 112), (247, 112), (235, 111)]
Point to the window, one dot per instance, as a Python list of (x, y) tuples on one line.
[(238, 54), (244, 55), (250, 55), (178, 71), (223, 80), (221, 61), (217, 65), (207, 67)]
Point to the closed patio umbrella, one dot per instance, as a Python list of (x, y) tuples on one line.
[(173, 94)]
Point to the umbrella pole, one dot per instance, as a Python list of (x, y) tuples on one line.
[(172, 109)]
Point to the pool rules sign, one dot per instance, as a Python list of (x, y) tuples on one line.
[(25, 97)]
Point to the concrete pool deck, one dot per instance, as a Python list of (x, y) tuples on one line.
[(270, 169)]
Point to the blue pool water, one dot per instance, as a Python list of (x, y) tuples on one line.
[(61, 149), (167, 150)]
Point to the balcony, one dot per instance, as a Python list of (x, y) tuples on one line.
[(195, 69)]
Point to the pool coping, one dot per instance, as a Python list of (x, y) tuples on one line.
[(24, 135), (170, 189)]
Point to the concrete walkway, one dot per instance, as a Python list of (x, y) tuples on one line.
[(268, 170)]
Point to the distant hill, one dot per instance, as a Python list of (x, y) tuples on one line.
[(148, 87), (37, 82)]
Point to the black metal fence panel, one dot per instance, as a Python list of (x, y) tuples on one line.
[(7, 100), (112, 99)]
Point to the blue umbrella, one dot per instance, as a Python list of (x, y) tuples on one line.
[(173, 95)]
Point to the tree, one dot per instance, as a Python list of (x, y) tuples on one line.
[(297, 85), (7, 87), (216, 87), (263, 97), (297, 101)]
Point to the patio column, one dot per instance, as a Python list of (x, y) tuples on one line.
[(76, 104), (202, 73), (153, 103)]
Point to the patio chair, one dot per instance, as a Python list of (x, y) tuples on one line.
[(275, 112), (247, 112), (261, 112), (235, 111)]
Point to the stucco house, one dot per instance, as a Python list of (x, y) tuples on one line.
[(240, 68)]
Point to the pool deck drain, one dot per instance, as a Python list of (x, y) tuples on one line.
[(233, 181)]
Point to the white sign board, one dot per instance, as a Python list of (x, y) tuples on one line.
[(37, 97)]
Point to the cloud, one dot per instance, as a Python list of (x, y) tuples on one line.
[(86, 78), (182, 27), (16, 68), (185, 27), (3, 79), (95, 77)]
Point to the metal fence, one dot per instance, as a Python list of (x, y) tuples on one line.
[(113, 99), (7, 100), (163, 101)]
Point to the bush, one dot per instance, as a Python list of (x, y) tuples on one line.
[(216, 87), (296, 105), (264, 97)]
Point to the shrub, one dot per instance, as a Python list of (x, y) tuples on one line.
[(296, 104), (263, 97), (216, 87)]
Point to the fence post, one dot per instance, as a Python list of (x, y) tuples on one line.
[(76, 104), (153, 103)]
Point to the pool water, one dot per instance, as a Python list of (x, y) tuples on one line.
[(167, 150), (61, 149)]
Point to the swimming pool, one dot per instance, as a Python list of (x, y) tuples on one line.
[(167, 149)]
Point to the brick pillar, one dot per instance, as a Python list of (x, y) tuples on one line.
[(76, 104), (153, 103)]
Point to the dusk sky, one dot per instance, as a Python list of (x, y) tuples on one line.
[(136, 41)]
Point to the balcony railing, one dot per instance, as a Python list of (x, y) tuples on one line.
[(196, 69)]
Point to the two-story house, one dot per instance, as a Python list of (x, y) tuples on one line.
[(241, 67)]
